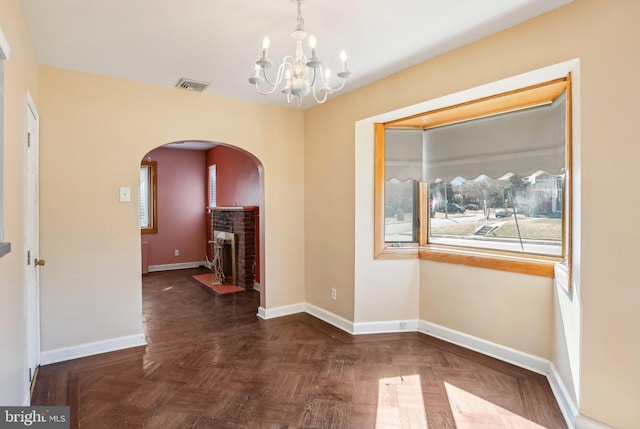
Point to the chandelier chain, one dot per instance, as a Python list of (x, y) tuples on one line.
[(300, 19)]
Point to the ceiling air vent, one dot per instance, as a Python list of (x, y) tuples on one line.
[(191, 85)]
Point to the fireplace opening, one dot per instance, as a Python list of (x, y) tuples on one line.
[(227, 248)]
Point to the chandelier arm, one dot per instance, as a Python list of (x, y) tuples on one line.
[(313, 81), (272, 86), (267, 92), (321, 99), (325, 83), (278, 77), (337, 88)]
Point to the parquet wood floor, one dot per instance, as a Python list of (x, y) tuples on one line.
[(211, 363)]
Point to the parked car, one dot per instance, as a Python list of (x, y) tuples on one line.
[(504, 212), (472, 206), (451, 208)]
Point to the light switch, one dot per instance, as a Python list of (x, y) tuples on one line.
[(125, 194)]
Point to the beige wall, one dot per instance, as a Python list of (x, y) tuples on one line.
[(603, 34), (20, 75), (94, 132)]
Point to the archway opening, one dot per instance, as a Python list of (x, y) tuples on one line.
[(191, 185)]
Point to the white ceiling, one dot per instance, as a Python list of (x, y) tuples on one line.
[(218, 41)]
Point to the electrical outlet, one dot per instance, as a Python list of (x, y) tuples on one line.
[(403, 325), (333, 294), (176, 252)]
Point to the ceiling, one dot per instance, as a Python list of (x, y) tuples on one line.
[(218, 41)]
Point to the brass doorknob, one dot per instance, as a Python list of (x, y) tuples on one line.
[(39, 262)]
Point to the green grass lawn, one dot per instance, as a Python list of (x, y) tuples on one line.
[(530, 228)]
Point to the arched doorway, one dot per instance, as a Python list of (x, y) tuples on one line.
[(185, 209)]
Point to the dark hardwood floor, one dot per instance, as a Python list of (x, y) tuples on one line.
[(211, 363)]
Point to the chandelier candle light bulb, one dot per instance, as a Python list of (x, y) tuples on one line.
[(298, 72)]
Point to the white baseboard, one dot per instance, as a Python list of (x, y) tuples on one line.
[(285, 310), (385, 327), (303, 307), (89, 349), (330, 318), (563, 398), (503, 353), (178, 266), (583, 422)]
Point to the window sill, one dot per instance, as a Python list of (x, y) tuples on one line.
[(516, 263), (4, 248), (409, 251), (542, 266)]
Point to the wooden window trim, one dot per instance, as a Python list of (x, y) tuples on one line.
[(153, 197), (505, 261)]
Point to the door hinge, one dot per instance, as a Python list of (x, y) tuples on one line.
[(29, 257), (28, 139), (30, 375)]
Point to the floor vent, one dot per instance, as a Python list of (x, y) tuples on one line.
[(191, 85)]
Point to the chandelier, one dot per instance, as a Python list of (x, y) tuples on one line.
[(301, 75)]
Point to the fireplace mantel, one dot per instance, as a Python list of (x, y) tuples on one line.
[(243, 208)]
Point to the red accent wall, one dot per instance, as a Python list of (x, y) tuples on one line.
[(237, 177), (238, 184), (182, 194)]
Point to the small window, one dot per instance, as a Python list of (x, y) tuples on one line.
[(148, 198), (484, 182), (212, 186)]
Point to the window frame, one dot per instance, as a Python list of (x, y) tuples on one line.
[(539, 265), (152, 180)]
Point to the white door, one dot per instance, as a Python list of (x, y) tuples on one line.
[(32, 263)]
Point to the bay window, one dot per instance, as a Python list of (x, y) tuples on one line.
[(485, 182)]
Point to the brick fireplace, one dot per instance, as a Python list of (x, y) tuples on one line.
[(241, 222)]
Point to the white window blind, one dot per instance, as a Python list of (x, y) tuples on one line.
[(144, 198), (520, 142), (403, 154), (213, 202)]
